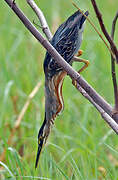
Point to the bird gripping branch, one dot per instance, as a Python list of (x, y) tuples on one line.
[(67, 41)]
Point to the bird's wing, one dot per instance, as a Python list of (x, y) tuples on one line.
[(67, 44), (66, 47)]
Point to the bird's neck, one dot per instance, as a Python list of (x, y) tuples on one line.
[(54, 103)]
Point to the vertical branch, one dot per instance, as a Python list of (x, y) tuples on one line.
[(113, 48), (113, 66), (103, 28)]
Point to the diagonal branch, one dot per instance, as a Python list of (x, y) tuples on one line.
[(27, 103), (41, 18), (70, 71), (103, 28), (104, 115)]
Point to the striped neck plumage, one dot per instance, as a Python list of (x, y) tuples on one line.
[(54, 103)]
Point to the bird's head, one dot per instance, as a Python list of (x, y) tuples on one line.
[(82, 21)]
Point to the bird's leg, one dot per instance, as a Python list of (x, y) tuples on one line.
[(86, 63), (77, 59)]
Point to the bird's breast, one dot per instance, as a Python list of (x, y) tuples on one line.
[(58, 82)]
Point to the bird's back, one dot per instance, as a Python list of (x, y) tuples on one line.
[(66, 41)]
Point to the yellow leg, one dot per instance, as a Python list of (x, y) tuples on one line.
[(86, 63), (77, 59)]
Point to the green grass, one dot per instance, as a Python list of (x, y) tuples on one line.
[(81, 142)]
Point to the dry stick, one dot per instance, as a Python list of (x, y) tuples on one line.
[(113, 77), (103, 28), (41, 18), (113, 66), (21, 115), (30, 97), (73, 74)]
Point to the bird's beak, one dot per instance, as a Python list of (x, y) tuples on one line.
[(83, 18), (40, 146)]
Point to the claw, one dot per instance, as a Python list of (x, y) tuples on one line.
[(80, 52)]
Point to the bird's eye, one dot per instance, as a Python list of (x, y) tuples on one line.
[(51, 64)]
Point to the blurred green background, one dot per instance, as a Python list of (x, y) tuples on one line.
[(81, 145)]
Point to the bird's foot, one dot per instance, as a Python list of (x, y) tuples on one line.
[(80, 52)]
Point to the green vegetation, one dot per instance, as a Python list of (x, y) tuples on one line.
[(81, 145)]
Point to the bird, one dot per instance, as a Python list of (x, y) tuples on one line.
[(67, 41)]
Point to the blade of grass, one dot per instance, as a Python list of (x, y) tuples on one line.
[(67, 178), (5, 166)]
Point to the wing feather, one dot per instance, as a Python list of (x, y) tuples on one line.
[(66, 46)]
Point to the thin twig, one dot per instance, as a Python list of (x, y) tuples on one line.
[(114, 25), (103, 28), (70, 71), (41, 18), (113, 66)]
